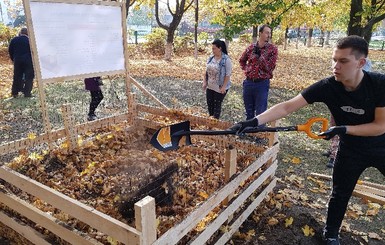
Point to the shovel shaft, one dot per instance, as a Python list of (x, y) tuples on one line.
[(226, 132)]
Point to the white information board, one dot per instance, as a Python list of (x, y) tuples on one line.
[(75, 39)]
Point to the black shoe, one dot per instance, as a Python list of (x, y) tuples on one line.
[(330, 163), (15, 95), (29, 96), (92, 117)]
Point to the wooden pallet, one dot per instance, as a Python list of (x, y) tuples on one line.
[(364, 189)]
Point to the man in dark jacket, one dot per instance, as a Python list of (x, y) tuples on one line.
[(23, 74)]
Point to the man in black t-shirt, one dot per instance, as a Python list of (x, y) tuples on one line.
[(356, 100)]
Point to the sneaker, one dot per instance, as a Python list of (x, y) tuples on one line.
[(332, 241), (330, 163), (92, 117)]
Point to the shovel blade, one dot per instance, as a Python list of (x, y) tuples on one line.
[(165, 138)]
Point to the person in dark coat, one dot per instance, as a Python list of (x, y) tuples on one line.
[(23, 74), (93, 85)]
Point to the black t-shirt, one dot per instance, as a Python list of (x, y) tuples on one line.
[(352, 108)]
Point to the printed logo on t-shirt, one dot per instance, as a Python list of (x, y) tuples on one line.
[(353, 110)]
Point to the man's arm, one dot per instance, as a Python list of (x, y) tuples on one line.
[(10, 49), (244, 58), (282, 109), (375, 128)]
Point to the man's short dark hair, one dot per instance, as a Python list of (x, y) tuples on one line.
[(358, 45), (262, 27), (24, 31)]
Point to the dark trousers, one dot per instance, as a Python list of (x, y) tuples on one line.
[(23, 75), (348, 167), (96, 98), (214, 102), (255, 96)]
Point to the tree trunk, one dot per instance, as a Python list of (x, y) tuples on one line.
[(354, 26), (255, 34), (286, 38), (196, 30), (308, 44), (168, 51), (327, 40), (367, 32)]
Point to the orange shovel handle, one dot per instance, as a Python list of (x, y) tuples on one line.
[(307, 127)]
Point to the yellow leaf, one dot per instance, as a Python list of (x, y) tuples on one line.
[(296, 160), (251, 233), (203, 194), (308, 231), (80, 141), (374, 205), (289, 221), (372, 212), (31, 135), (35, 156), (224, 228), (112, 240)]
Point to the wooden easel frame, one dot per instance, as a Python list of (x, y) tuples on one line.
[(129, 81)]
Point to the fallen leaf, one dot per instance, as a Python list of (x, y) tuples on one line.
[(308, 231), (372, 212), (296, 160), (374, 235), (272, 221), (289, 221), (31, 135)]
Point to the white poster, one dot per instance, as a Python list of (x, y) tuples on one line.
[(75, 39)]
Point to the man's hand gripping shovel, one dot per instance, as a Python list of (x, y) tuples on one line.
[(173, 136)]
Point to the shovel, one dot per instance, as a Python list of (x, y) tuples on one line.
[(172, 136)]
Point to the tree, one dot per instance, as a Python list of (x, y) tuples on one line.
[(364, 15), (181, 6), (239, 15)]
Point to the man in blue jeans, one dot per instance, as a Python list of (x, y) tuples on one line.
[(258, 62), (356, 99)]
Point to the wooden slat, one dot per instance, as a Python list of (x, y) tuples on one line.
[(104, 223), (24, 230), (107, 3), (146, 92), (235, 226), (145, 219), (369, 189), (233, 207), (17, 145), (369, 196), (360, 182), (173, 235), (230, 169), (186, 117), (43, 219)]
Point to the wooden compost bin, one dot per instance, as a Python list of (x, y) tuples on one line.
[(236, 204)]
